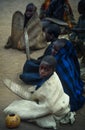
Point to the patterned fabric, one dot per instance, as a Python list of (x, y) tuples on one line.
[(59, 9), (56, 9)]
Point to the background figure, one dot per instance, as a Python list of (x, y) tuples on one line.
[(78, 36), (79, 29), (57, 9), (29, 12), (29, 21)]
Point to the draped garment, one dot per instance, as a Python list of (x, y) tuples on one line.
[(45, 106), (68, 71)]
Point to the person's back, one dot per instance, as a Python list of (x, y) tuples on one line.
[(68, 70), (56, 9)]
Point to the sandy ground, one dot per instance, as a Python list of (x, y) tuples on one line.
[(12, 61)]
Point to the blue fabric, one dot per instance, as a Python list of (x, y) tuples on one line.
[(68, 71)]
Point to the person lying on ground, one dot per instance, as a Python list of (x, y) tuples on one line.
[(49, 104)]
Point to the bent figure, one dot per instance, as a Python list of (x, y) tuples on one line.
[(29, 21), (48, 105)]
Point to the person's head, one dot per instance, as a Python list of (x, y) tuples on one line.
[(47, 66), (81, 7), (57, 45), (52, 32), (30, 10)]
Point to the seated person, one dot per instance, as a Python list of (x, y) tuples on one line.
[(78, 35), (79, 30), (44, 7), (48, 105), (57, 9), (29, 22), (80, 49), (51, 33), (67, 68)]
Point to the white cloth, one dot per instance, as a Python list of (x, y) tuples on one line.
[(47, 105)]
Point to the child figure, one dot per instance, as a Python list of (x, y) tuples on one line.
[(31, 66), (48, 105), (67, 68)]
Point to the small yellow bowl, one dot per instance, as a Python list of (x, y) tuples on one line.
[(12, 121)]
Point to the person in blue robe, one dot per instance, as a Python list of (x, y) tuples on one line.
[(68, 70)]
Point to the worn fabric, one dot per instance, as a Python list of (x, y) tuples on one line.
[(35, 34), (16, 29), (56, 9), (34, 30), (78, 34), (42, 107), (68, 71), (59, 9)]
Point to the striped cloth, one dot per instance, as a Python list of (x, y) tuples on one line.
[(68, 71)]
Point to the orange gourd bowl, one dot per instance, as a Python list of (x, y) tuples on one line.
[(12, 121)]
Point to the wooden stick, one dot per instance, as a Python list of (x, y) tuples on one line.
[(26, 39)]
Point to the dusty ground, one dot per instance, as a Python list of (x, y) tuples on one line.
[(12, 61)]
